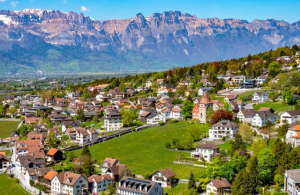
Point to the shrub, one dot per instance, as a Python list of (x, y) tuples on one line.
[(161, 123), (223, 138), (168, 145), (31, 182), (17, 180)]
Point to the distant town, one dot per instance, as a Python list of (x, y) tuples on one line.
[(228, 127)]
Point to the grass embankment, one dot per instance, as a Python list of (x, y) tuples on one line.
[(144, 151), (10, 187), (7, 127), (276, 106), (227, 146)]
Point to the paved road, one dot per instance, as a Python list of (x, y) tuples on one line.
[(249, 106), (23, 182)]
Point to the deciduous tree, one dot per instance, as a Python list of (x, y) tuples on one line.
[(221, 115)]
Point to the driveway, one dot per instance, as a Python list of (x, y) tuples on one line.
[(249, 105)]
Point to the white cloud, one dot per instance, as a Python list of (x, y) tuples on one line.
[(84, 9), (2, 0), (65, 1), (14, 3)]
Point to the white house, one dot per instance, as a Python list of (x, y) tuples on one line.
[(84, 136), (99, 183), (293, 136), (246, 115), (224, 128), (261, 118), (129, 185), (155, 118), (23, 163), (290, 117), (260, 80), (166, 112), (4, 163), (207, 151), (113, 121), (292, 181), (176, 113), (203, 90), (69, 183), (107, 164), (218, 187), (260, 96), (164, 177), (148, 83)]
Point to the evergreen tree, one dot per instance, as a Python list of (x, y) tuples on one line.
[(238, 186), (85, 151), (252, 182), (192, 182)]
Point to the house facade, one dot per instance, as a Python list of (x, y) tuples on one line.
[(262, 117), (293, 136), (113, 121), (224, 128), (218, 187), (129, 185), (99, 183), (246, 115), (260, 96), (292, 181), (206, 151), (290, 117), (164, 177), (69, 183)]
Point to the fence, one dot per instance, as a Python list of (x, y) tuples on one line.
[(109, 137)]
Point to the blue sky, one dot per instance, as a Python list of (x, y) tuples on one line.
[(287, 10)]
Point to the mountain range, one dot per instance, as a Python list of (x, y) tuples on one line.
[(55, 41)]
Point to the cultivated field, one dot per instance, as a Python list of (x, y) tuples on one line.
[(144, 151)]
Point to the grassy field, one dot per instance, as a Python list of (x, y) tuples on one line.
[(277, 106), (227, 146), (10, 187), (179, 189), (95, 125), (144, 151), (7, 127)]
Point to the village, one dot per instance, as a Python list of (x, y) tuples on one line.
[(234, 107)]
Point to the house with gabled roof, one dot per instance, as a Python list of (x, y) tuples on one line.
[(129, 185), (260, 118), (292, 181), (218, 186), (68, 124), (23, 163), (69, 183), (290, 117), (54, 155), (246, 115), (293, 136), (107, 164), (205, 151), (223, 128), (4, 162), (99, 183), (164, 177), (260, 96)]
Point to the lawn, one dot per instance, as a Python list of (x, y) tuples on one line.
[(10, 187), (227, 146), (7, 127), (277, 106), (144, 151), (179, 189), (95, 125)]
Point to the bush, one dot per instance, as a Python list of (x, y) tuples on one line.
[(161, 123), (41, 187), (223, 138), (31, 182), (168, 145), (17, 180)]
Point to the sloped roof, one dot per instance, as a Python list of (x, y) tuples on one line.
[(100, 178), (294, 112), (168, 173), (221, 183), (208, 146), (52, 152)]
